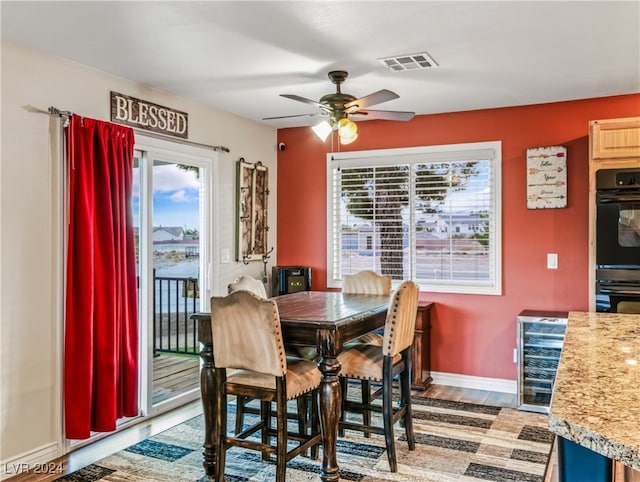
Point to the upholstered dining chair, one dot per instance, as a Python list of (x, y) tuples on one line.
[(367, 282), (382, 364), (248, 283), (371, 283), (245, 283), (255, 286), (250, 361)]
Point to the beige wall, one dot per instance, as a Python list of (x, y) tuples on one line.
[(30, 200)]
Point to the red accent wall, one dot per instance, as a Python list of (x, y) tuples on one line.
[(471, 334)]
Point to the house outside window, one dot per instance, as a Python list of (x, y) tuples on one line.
[(431, 214)]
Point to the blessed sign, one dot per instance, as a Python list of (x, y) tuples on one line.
[(147, 115)]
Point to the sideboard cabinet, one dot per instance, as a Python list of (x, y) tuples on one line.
[(421, 349)]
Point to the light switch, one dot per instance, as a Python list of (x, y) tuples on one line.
[(225, 255), (552, 261)]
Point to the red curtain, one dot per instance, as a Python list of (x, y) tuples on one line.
[(101, 326)]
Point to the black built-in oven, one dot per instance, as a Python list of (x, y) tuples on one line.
[(617, 239)]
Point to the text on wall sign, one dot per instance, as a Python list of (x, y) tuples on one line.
[(147, 115)]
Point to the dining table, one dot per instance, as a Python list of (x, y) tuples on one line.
[(326, 320)]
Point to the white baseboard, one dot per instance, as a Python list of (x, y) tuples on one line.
[(39, 459), (479, 383)]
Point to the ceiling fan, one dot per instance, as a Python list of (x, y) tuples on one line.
[(341, 108)]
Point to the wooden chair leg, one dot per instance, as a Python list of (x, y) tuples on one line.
[(405, 400), (387, 414), (240, 403), (303, 417), (315, 422), (301, 404), (221, 423), (265, 408), (281, 438), (366, 402), (344, 392)]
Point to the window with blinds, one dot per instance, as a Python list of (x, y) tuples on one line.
[(430, 214)]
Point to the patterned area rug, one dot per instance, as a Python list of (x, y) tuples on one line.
[(455, 441)]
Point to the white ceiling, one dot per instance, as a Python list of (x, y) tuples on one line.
[(239, 56)]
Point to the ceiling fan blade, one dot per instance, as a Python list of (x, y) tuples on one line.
[(304, 100), (295, 115), (378, 97), (395, 115)]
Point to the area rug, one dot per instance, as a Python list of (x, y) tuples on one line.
[(455, 441)]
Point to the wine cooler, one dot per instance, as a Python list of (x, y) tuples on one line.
[(540, 339)]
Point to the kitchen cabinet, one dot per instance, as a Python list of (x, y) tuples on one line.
[(540, 339), (613, 143), (614, 139)]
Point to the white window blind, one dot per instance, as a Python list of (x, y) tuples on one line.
[(429, 214)]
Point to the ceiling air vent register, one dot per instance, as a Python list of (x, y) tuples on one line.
[(401, 63)]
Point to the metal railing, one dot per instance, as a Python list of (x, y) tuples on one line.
[(174, 300)]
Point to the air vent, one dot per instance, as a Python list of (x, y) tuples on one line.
[(417, 61)]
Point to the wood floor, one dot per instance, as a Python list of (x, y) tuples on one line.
[(116, 442), (173, 375), (485, 397)]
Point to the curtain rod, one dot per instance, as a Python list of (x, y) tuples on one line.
[(60, 113), (65, 113)]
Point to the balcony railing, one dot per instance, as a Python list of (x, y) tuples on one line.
[(174, 300)]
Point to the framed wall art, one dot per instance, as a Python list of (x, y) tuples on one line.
[(251, 219), (547, 177)]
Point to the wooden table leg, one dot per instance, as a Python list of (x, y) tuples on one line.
[(330, 408), (207, 389)]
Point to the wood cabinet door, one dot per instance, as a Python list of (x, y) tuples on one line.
[(615, 138)]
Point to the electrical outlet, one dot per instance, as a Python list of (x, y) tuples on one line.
[(552, 261), (225, 255)]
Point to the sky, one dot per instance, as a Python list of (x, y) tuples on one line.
[(175, 197)]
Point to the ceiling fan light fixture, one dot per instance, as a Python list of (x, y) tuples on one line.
[(339, 106), (348, 140), (347, 130), (322, 130)]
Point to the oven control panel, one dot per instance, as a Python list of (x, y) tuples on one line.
[(617, 179), (628, 179)]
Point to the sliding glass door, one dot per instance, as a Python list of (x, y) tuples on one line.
[(172, 210)]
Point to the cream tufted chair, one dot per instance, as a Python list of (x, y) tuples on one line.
[(382, 364), (367, 283), (250, 360), (245, 283), (248, 283)]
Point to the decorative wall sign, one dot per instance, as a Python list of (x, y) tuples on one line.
[(547, 177), (253, 197), (149, 116)]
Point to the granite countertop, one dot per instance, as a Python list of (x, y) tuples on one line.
[(596, 398)]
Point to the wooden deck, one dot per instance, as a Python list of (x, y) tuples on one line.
[(173, 375)]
